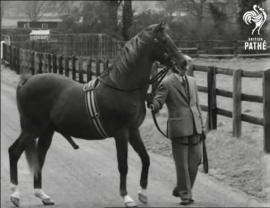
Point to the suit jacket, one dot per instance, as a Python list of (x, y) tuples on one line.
[(184, 114)]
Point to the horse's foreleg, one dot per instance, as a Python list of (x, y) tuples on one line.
[(15, 152), (44, 144), (121, 141), (138, 145)]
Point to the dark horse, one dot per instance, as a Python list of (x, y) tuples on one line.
[(49, 103)]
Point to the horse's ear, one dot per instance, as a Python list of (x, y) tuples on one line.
[(161, 26)]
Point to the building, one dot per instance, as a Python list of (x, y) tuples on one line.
[(38, 24)]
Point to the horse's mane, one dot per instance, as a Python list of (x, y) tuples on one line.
[(128, 54)]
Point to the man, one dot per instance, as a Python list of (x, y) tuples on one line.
[(184, 128)]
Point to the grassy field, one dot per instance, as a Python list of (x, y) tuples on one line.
[(241, 162)]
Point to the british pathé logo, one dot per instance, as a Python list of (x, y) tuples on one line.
[(257, 15)]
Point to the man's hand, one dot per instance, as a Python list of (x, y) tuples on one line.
[(150, 100), (204, 134)]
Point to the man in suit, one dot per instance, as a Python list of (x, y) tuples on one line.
[(184, 128)]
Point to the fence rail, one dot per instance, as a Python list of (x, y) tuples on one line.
[(83, 69), (237, 96)]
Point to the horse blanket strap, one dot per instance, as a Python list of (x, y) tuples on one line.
[(92, 108)]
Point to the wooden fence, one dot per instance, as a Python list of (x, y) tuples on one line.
[(83, 69), (236, 114)]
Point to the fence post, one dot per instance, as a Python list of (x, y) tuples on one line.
[(74, 68), (100, 44), (22, 60), (66, 66), (54, 62), (14, 61), (97, 67), (18, 61), (45, 63), (40, 63), (60, 64), (35, 62), (32, 67), (4, 51), (89, 70), (237, 108), (50, 63), (105, 64), (11, 58), (9, 54), (235, 48), (212, 98), (266, 110), (80, 69)]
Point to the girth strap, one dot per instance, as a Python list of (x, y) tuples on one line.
[(92, 108)]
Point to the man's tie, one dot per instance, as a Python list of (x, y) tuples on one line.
[(184, 83)]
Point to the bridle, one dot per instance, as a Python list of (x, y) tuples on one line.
[(166, 55), (158, 77)]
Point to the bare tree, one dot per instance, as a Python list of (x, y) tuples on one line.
[(66, 7), (34, 10), (5, 7)]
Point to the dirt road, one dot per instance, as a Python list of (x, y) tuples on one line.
[(89, 177)]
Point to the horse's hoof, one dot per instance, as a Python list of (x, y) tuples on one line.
[(131, 204), (143, 198), (48, 201), (15, 201)]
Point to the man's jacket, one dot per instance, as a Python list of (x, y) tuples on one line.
[(184, 113)]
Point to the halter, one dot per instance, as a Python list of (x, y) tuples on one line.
[(166, 55)]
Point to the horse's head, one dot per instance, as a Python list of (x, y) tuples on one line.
[(164, 50)]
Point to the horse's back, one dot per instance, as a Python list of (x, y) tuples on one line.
[(37, 95)]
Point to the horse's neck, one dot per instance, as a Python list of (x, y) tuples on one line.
[(136, 76)]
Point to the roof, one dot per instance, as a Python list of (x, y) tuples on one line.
[(40, 32)]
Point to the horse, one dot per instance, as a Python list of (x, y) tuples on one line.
[(49, 103)]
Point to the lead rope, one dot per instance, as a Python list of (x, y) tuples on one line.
[(152, 106)]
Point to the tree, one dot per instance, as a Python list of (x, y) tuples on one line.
[(34, 10), (5, 7), (65, 7), (194, 7), (127, 19)]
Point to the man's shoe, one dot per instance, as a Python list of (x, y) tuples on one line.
[(185, 202), (175, 193)]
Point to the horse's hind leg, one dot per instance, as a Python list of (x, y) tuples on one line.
[(136, 142), (43, 145), (15, 152), (121, 141)]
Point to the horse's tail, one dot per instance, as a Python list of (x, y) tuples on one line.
[(31, 153)]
